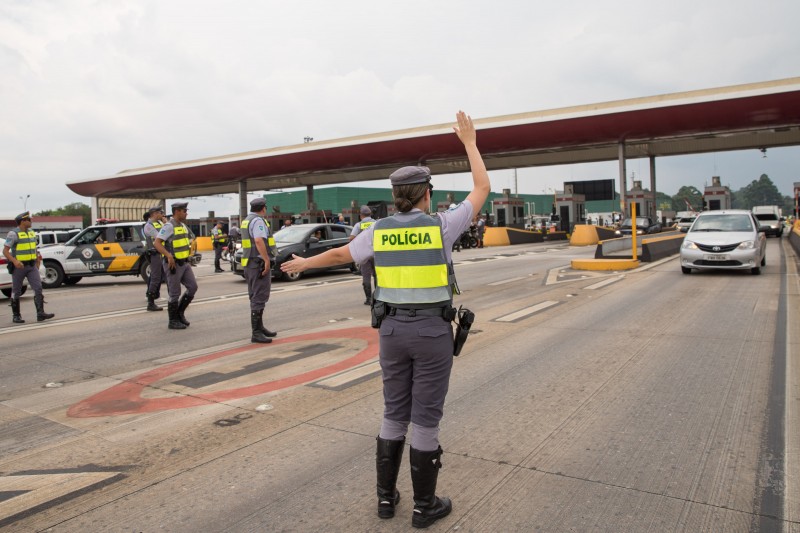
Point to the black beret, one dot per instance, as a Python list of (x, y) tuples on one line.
[(22, 216), (179, 205), (257, 204), (409, 175)]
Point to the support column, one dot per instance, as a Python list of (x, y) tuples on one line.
[(242, 201), (653, 185), (309, 196), (622, 185)]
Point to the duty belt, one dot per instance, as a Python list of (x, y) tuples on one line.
[(446, 312), (30, 263)]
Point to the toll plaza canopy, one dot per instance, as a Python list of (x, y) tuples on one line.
[(757, 115)]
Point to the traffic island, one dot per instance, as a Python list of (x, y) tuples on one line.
[(605, 264)]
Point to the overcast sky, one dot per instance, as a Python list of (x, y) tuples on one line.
[(90, 88)]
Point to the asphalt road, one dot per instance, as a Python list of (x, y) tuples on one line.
[(634, 401)]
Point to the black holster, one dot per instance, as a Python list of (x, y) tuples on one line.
[(465, 320), (378, 313), (10, 266)]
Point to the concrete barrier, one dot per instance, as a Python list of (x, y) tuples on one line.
[(505, 236), (584, 235), (204, 244), (648, 249)]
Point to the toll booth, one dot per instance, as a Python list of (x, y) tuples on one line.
[(352, 214), (509, 211), (315, 216), (570, 209), (717, 196), (645, 201)]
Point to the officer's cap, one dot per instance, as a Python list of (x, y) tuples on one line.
[(22, 216), (409, 175), (179, 205), (257, 204), (155, 209), (365, 210)]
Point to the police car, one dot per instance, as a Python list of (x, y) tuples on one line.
[(101, 250)]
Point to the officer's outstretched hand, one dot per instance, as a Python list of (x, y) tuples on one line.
[(465, 129), (297, 264)]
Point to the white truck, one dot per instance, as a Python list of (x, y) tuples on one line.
[(769, 217)]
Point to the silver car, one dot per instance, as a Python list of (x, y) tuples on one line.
[(724, 240)]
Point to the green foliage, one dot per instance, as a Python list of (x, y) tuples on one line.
[(73, 209), (688, 193), (759, 192)]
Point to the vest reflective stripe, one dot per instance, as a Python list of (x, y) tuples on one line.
[(179, 242), (410, 262), (148, 239), (221, 237), (248, 247), (25, 247), (364, 224)]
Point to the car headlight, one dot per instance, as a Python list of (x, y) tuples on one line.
[(689, 245), (746, 245), (618, 232), (639, 232)]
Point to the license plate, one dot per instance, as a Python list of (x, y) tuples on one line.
[(716, 257)]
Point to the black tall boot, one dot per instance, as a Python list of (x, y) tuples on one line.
[(41, 316), (367, 293), (151, 303), (264, 330), (388, 456), (174, 320), (15, 312), (183, 303), (428, 508), (255, 324)]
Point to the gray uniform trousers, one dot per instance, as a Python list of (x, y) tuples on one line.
[(217, 255), (416, 357), (257, 288), (368, 274), (182, 275), (34, 280), (156, 274)]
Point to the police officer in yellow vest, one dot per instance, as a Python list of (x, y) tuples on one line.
[(258, 247), (367, 267), (412, 252), (174, 244), (23, 262), (218, 240), (151, 229)]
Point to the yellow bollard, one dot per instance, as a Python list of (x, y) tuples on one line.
[(633, 228)]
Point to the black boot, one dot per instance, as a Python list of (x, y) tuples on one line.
[(264, 330), (174, 320), (15, 312), (151, 303), (182, 305), (387, 463), (41, 316), (255, 324), (428, 508), (368, 294)]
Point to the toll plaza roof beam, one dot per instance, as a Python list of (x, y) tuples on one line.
[(759, 115)]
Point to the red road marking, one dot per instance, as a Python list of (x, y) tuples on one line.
[(126, 398)]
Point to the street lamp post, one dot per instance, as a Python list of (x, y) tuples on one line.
[(25, 202)]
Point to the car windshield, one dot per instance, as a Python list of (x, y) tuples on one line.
[(687, 220), (723, 223), (640, 221), (766, 216), (292, 234)]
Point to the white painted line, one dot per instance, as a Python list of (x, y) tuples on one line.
[(505, 281), (603, 283), (527, 311), (350, 375)]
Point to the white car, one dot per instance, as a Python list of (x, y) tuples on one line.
[(730, 239), (5, 278)]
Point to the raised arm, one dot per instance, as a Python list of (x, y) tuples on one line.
[(480, 178)]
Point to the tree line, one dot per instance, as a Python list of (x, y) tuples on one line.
[(73, 209)]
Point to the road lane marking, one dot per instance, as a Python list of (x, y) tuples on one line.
[(28, 493), (522, 313), (503, 282), (349, 378), (603, 283)]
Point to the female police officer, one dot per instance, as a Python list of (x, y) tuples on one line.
[(411, 251)]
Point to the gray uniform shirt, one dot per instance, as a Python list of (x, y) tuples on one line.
[(357, 227), (454, 223), (258, 228), (11, 239)]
